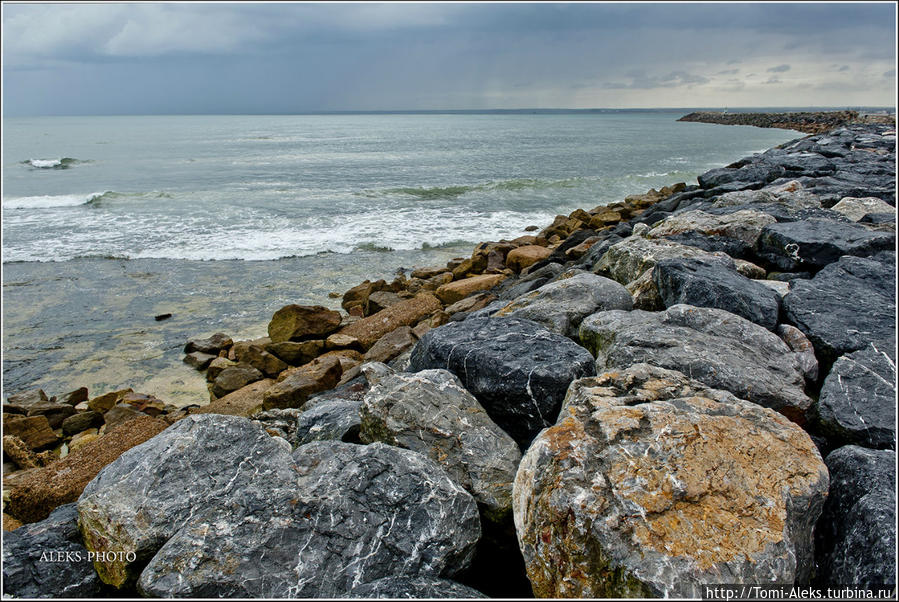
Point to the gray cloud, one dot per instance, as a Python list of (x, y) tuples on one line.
[(773, 80), (890, 73), (728, 72), (843, 68), (642, 81), (779, 69)]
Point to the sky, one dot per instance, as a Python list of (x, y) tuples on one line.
[(188, 58)]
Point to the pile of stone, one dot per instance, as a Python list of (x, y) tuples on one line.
[(810, 122), (694, 386)]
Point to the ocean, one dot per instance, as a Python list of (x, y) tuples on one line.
[(221, 220)]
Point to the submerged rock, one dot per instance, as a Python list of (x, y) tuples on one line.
[(517, 369), (651, 484)]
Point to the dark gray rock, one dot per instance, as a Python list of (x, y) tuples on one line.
[(856, 535), (336, 420), (858, 400), (713, 346), (755, 173), (212, 345), (512, 288), (846, 306), (198, 359), (47, 560), (414, 588), (353, 515), (233, 378), (702, 284), (431, 413), (720, 244), (23, 401), (814, 243), (81, 421), (281, 422), (517, 369), (561, 304)]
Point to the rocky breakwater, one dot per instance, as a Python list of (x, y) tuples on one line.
[(810, 122), (691, 386)]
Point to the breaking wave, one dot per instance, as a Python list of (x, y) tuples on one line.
[(61, 163)]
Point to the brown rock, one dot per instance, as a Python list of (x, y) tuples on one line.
[(454, 291), (16, 450), (55, 412), (348, 358), (379, 300), (9, 523), (234, 378), (216, 366), (36, 495), (421, 328), (296, 353), (525, 241), (20, 403), (299, 322), (35, 431), (81, 421), (405, 313), (525, 256), (119, 414), (213, 345), (473, 265), (146, 403), (75, 397), (293, 391), (580, 250), (106, 401), (341, 341), (391, 345), (254, 354), (472, 303), (496, 261), (358, 296), (245, 401), (429, 272), (83, 438), (198, 359), (607, 217)]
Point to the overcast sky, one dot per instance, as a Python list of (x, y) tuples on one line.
[(284, 58)]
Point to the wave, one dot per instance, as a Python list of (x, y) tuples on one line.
[(61, 163), (50, 201)]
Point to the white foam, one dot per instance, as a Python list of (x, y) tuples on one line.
[(49, 201), (45, 163)]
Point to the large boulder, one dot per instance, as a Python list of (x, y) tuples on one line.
[(299, 383), (811, 244), (405, 313), (300, 322), (846, 306), (336, 420), (354, 514), (431, 413), (517, 369), (34, 431), (562, 304), (235, 377), (702, 284), (245, 401), (856, 535), (46, 560), (459, 289), (713, 346), (652, 484), (743, 226), (413, 588), (858, 400), (857, 208), (526, 256), (629, 259)]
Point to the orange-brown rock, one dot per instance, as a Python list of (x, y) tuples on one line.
[(357, 297), (16, 450), (245, 401), (469, 267), (34, 431), (526, 256), (105, 402), (429, 272), (295, 353), (36, 495), (606, 217), (651, 484), (454, 291), (294, 389), (9, 523), (348, 358), (405, 313), (301, 322), (391, 345)]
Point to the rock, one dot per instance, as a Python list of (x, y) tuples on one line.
[(105, 402), (297, 353), (652, 485), (857, 404), (216, 367), (429, 272), (342, 341), (20, 403), (120, 413), (629, 259), (61, 482), (779, 287), (846, 306), (16, 450), (10, 524), (293, 391), (813, 243), (81, 421), (34, 431), (280, 423), (855, 208), (199, 360), (750, 270), (354, 515), (54, 412), (256, 356), (526, 256), (413, 587), (299, 322), (802, 348), (83, 438), (471, 303), (459, 289), (516, 369), (856, 535), (213, 345), (744, 226), (562, 304), (431, 413), (710, 345), (233, 378), (379, 300), (357, 297), (391, 345), (75, 397), (46, 560), (694, 282), (337, 420), (405, 313)]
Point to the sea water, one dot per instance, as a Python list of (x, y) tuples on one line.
[(221, 220)]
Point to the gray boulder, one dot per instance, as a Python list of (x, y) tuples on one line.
[(513, 288), (702, 284), (336, 420), (652, 485), (629, 259), (813, 243), (413, 588), (858, 400), (431, 413), (517, 369), (710, 345), (355, 514), (47, 560), (846, 306), (743, 226), (856, 536), (562, 304)]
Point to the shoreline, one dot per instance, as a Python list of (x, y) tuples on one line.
[(732, 243)]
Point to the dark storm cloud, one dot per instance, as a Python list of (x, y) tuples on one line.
[(156, 58)]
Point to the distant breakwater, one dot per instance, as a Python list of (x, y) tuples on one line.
[(810, 122)]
